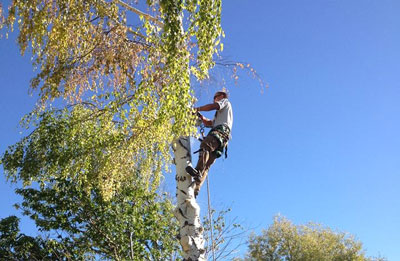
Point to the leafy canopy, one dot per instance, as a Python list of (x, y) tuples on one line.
[(285, 241), (124, 90), (112, 97), (17, 246), (135, 224)]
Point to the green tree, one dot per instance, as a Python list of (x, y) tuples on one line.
[(134, 225), (68, 148), (133, 79), (112, 98), (285, 241), (17, 246)]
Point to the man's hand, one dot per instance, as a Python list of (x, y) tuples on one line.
[(199, 115)]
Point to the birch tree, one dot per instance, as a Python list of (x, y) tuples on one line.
[(125, 91)]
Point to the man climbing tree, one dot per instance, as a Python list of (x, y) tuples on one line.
[(216, 141)]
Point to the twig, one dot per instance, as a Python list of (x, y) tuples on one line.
[(138, 12), (132, 256)]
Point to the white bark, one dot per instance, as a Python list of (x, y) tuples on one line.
[(187, 210)]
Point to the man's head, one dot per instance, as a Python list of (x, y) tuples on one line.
[(219, 95)]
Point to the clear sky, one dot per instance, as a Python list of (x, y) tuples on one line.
[(320, 144)]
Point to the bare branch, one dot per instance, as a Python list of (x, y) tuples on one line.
[(131, 241), (138, 12)]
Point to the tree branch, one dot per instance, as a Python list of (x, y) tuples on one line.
[(138, 12), (131, 241)]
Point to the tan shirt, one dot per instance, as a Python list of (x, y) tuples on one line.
[(224, 115)]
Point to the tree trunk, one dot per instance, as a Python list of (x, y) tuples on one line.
[(187, 210)]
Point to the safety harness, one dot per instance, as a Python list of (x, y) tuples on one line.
[(222, 134)]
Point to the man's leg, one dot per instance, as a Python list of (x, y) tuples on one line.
[(206, 159), (210, 161), (207, 146)]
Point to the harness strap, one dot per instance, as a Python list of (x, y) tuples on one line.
[(197, 151)]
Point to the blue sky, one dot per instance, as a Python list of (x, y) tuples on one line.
[(320, 144)]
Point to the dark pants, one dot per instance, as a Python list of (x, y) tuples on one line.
[(206, 157)]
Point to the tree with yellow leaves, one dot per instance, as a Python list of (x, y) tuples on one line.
[(112, 97)]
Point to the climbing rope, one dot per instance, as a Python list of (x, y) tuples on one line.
[(202, 127), (211, 220)]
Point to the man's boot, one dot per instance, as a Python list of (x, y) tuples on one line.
[(194, 173)]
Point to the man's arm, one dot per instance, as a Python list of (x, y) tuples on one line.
[(208, 107), (207, 122)]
